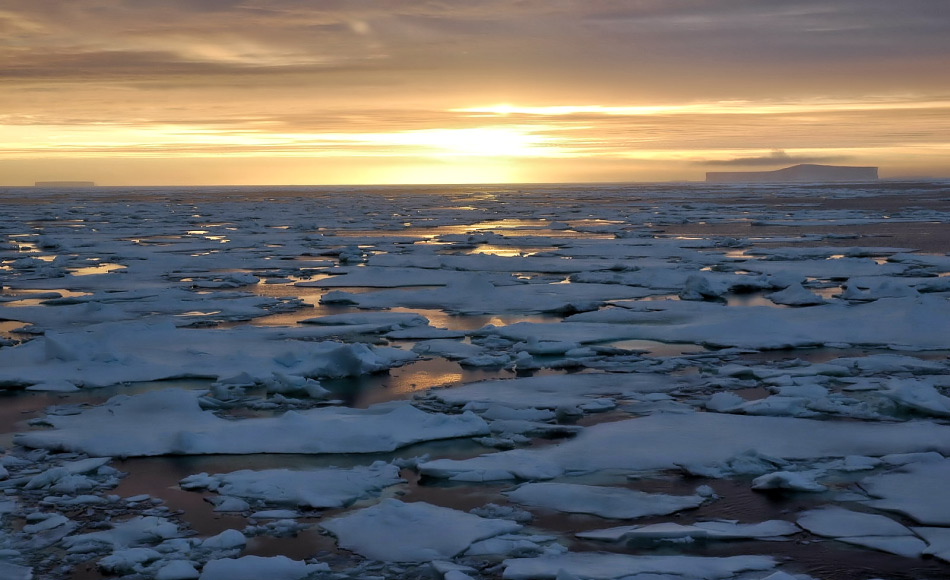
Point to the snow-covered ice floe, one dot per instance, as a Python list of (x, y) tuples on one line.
[(903, 322), (712, 530), (863, 529), (609, 566), (125, 427), (317, 488), (668, 441), (111, 354), (606, 502), (395, 531)]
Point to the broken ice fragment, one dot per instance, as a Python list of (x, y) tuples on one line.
[(790, 480)]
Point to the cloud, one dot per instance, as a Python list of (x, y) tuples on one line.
[(776, 157), (676, 46)]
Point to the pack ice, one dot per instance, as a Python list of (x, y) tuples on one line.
[(629, 378)]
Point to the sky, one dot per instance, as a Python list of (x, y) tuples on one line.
[(206, 92)]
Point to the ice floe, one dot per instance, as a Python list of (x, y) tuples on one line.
[(606, 502), (412, 532), (124, 427), (108, 355), (916, 490), (886, 322), (556, 391), (712, 530), (480, 296), (602, 566), (320, 488), (674, 440), (863, 529), (257, 567)]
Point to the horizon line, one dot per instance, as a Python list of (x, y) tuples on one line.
[(434, 184)]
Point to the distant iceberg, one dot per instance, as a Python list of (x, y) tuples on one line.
[(806, 172)]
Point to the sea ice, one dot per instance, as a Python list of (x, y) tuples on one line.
[(673, 441), (317, 488), (482, 297), (918, 395), (836, 522), (796, 295), (553, 391), (889, 321), (917, 490), (226, 540), (840, 269), (128, 561), (111, 354), (602, 566), (449, 349), (10, 571), (177, 570), (606, 502), (396, 277), (258, 567), (394, 531), (938, 540), (863, 529), (714, 530), (889, 363), (875, 289), (131, 533), (124, 426), (790, 480), (386, 321), (180, 254), (515, 545)]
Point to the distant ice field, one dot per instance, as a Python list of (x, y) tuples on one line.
[(566, 381)]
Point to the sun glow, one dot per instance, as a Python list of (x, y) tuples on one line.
[(478, 142), (741, 107), (495, 143), (171, 140)]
